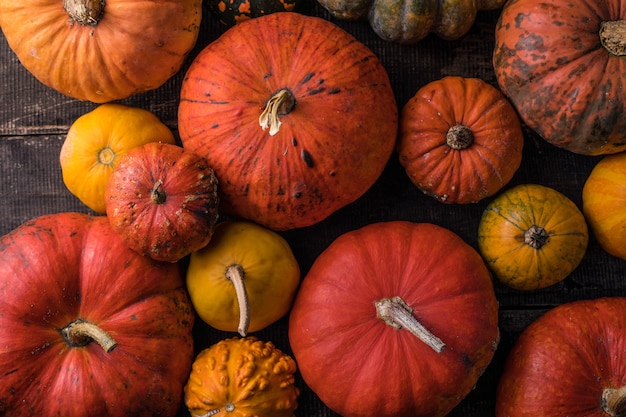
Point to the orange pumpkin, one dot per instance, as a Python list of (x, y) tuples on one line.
[(101, 51), (296, 126), (460, 140)]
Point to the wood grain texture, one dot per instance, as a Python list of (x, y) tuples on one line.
[(35, 119)]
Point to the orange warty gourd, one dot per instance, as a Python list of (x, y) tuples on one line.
[(100, 50), (296, 125), (460, 140), (241, 377)]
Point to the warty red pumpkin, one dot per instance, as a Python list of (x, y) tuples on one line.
[(100, 50), (563, 65), (296, 125), (395, 319), (88, 326)]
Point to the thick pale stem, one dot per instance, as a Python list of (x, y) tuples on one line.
[(613, 36), (459, 137), (398, 314), (614, 401), (79, 333), (536, 237), (236, 274), (279, 104), (85, 12), (157, 195), (106, 156)]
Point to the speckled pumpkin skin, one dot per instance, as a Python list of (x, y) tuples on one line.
[(549, 60), (231, 12), (331, 146)]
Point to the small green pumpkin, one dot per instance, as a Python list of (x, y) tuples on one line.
[(405, 21)]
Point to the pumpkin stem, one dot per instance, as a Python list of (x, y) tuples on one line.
[(279, 104), (85, 12), (235, 273), (536, 236), (106, 156), (459, 137), (396, 313), (613, 36), (80, 333), (158, 195), (614, 401)]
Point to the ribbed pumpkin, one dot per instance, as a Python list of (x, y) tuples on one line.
[(411, 21), (100, 50), (460, 140), (296, 124), (563, 65)]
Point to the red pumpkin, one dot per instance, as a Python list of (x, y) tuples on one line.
[(295, 115), (87, 326), (460, 140), (395, 319), (163, 201), (563, 65), (569, 362)]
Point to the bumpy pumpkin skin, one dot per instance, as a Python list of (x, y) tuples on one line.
[(563, 362), (410, 21), (163, 201), (604, 199), (231, 12), (532, 236), (360, 366), (550, 61), (62, 267), (241, 377), (460, 140), (269, 269), (96, 141), (331, 145), (130, 47)]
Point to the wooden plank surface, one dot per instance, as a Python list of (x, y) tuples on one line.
[(34, 120)]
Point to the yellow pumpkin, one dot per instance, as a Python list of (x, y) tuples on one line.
[(240, 377), (100, 50), (245, 279), (532, 236), (95, 142), (604, 199)]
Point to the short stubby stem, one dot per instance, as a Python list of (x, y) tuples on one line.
[(157, 194), (536, 237), (280, 104), (614, 401), (85, 12), (396, 313), (459, 137), (106, 156), (80, 333), (613, 36), (235, 273)]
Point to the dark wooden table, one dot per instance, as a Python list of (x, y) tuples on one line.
[(34, 120)]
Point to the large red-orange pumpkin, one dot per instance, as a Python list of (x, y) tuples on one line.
[(101, 50), (563, 65), (570, 362), (89, 327), (460, 140), (396, 319), (296, 117)]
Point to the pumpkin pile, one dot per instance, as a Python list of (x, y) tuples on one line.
[(395, 319)]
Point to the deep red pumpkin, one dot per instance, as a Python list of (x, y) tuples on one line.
[(361, 366), (296, 117), (162, 200), (563, 65), (60, 271), (569, 362)]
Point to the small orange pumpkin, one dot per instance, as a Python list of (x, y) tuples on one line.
[(100, 50), (460, 140)]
